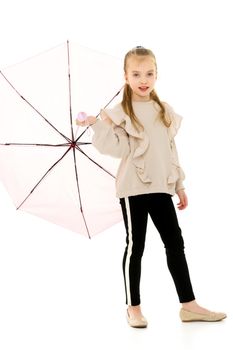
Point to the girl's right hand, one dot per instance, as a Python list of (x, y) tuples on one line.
[(105, 117), (87, 122)]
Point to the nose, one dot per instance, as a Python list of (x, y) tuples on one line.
[(143, 80)]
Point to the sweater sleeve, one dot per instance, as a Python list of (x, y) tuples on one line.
[(181, 175), (172, 131), (110, 140)]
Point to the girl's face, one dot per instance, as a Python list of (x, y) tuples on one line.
[(141, 76)]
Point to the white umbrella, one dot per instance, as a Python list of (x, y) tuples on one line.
[(49, 168)]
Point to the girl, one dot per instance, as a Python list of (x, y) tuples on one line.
[(141, 130)]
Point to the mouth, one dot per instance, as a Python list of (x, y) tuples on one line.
[(143, 88)]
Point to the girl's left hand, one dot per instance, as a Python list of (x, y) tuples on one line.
[(183, 203), (87, 122)]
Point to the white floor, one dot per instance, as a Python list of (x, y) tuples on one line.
[(59, 290)]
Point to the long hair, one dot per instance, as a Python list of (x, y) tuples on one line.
[(139, 52)]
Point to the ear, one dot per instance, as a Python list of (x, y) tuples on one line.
[(126, 79)]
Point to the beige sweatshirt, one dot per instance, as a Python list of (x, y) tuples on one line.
[(149, 160)]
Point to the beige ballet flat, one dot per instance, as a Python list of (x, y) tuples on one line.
[(189, 316), (140, 322)]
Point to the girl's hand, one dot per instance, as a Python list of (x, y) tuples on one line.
[(105, 117), (183, 203), (87, 122)]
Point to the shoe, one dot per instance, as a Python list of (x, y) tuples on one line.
[(189, 316), (136, 322)]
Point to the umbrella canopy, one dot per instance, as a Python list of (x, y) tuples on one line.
[(48, 166)]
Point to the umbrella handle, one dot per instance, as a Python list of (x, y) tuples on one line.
[(76, 132), (77, 129), (118, 92)]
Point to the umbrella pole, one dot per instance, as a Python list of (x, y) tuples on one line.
[(99, 112)]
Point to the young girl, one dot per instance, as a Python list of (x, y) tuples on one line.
[(141, 130)]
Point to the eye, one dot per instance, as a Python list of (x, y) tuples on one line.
[(151, 74), (135, 75)]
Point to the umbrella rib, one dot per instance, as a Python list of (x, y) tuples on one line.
[(69, 81), (36, 110), (33, 144), (41, 179), (79, 194), (93, 161)]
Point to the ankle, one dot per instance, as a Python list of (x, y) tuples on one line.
[(189, 304), (193, 306), (134, 311), (134, 307)]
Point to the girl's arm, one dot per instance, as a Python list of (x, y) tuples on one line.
[(183, 199), (110, 139), (179, 182)]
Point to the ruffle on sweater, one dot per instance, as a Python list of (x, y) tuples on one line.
[(140, 140), (175, 118), (176, 171)]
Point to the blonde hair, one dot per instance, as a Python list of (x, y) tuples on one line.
[(139, 52)]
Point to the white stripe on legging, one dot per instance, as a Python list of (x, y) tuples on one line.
[(129, 251)]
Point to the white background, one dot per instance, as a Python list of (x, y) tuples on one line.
[(59, 290)]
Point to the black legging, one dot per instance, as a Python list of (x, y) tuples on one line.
[(161, 209)]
